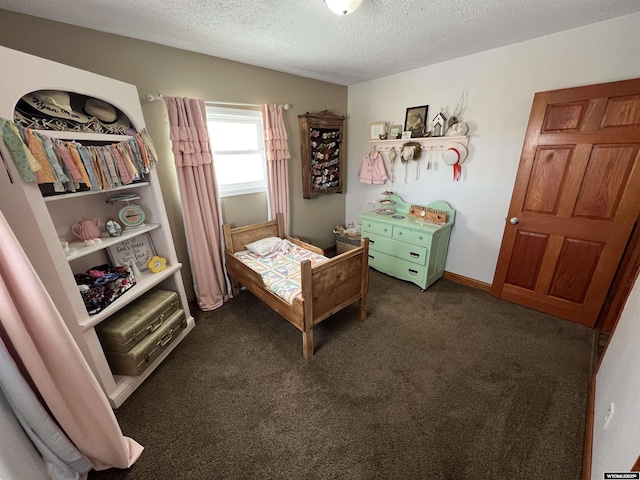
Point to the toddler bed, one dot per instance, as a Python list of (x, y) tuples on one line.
[(304, 295)]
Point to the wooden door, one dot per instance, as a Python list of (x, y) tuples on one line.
[(575, 200)]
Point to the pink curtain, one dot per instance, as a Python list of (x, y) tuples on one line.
[(199, 193), (275, 139), (44, 350)]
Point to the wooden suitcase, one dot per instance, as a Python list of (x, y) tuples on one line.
[(136, 360), (137, 320)]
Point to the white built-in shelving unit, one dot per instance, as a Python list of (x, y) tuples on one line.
[(39, 222)]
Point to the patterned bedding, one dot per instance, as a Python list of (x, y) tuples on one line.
[(280, 270)]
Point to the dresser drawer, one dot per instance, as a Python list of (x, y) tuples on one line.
[(398, 268), (378, 228), (406, 251), (412, 236)]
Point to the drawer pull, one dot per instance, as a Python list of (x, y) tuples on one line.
[(413, 272), (166, 338), (399, 233), (384, 229), (414, 255), (371, 257), (420, 237), (368, 224), (372, 241)]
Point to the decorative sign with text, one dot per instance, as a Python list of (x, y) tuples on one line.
[(138, 249)]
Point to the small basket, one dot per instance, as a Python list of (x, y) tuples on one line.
[(344, 244)]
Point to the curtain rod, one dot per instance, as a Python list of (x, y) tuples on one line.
[(152, 98)]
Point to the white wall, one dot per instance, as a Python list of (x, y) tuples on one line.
[(616, 448), (500, 86)]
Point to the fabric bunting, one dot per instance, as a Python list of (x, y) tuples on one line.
[(68, 164)]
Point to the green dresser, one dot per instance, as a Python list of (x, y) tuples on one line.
[(403, 247)]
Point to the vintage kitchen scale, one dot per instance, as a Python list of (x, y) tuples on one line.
[(130, 215)]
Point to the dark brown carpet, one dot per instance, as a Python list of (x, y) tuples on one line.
[(449, 383)]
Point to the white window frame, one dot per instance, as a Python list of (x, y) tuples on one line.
[(241, 116)]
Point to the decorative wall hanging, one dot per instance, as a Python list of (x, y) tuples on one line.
[(416, 120), (455, 154), (60, 166), (321, 137)]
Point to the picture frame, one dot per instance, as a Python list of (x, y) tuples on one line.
[(395, 131), (406, 135), (376, 129), (113, 227), (415, 120), (138, 249)]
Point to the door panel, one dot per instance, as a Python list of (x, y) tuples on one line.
[(528, 253), (574, 270), (550, 168), (605, 181), (622, 112), (575, 200)]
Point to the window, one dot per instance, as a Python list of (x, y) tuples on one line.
[(238, 150)]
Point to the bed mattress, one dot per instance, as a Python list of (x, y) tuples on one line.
[(280, 270)]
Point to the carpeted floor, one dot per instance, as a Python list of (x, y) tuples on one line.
[(449, 383)]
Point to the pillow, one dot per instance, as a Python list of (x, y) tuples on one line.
[(265, 246)]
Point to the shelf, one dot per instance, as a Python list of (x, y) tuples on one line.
[(81, 249), (432, 143), (84, 136), (66, 196), (144, 283), (40, 217)]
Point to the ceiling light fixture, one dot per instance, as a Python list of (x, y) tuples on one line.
[(343, 7)]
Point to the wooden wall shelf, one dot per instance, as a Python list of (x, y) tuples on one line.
[(433, 143)]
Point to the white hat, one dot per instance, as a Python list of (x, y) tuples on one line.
[(54, 103), (454, 154), (106, 114), (101, 110)]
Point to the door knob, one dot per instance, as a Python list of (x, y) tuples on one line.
[(514, 220)]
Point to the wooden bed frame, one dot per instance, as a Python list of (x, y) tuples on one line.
[(326, 288)]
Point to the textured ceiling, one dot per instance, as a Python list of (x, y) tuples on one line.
[(304, 37)]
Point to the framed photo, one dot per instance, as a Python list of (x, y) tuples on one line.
[(406, 134), (395, 131), (376, 129), (138, 249), (415, 120)]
